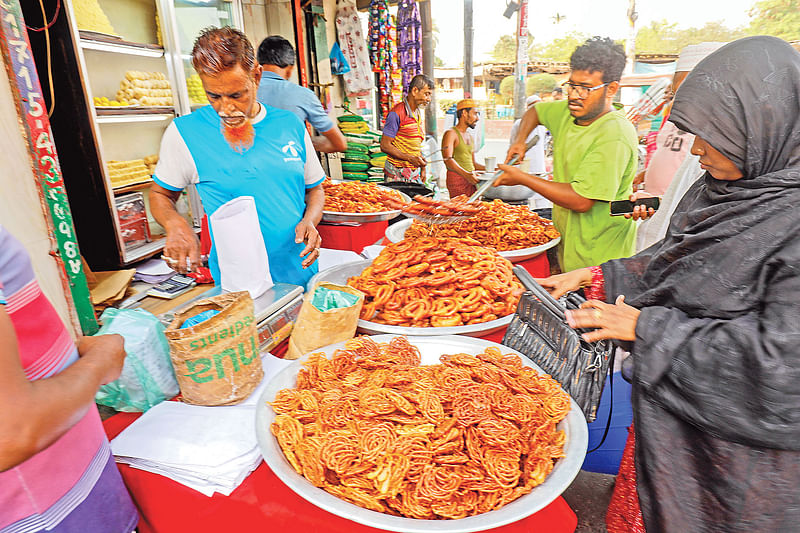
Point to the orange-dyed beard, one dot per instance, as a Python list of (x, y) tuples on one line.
[(241, 137)]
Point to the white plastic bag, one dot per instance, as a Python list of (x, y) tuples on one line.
[(242, 255)]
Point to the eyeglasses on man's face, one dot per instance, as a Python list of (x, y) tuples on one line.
[(582, 91)]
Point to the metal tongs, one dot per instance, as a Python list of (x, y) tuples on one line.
[(451, 219)]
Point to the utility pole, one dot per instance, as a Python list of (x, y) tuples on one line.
[(469, 34), (428, 55), (521, 66), (630, 45)]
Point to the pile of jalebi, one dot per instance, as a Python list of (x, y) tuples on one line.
[(438, 282), (358, 197), (444, 441), (499, 225)]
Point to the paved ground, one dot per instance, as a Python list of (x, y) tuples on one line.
[(588, 496)]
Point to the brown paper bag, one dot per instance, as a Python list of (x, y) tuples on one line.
[(217, 362), (315, 329)]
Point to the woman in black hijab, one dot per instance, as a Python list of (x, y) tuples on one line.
[(713, 310)]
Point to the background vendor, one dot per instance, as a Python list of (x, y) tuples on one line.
[(239, 147), (458, 151), (403, 134)]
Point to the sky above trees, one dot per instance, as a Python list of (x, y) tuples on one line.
[(589, 17)]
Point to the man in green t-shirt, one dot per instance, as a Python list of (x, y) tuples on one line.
[(594, 158)]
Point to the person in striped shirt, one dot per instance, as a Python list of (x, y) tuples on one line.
[(56, 468), (403, 134)]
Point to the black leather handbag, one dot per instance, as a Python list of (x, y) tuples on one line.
[(539, 331)]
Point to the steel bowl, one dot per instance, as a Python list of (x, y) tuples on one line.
[(363, 218), (509, 193), (397, 231), (562, 475), (341, 273)]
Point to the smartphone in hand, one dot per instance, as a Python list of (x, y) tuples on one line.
[(625, 207)]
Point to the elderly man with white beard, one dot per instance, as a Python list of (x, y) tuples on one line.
[(235, 147)]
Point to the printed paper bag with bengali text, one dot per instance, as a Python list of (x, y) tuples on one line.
[(217, 362)]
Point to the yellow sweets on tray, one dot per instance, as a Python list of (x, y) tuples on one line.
[(124, 173), (197, 94), (145, 89), (90, 16), (102, 101)]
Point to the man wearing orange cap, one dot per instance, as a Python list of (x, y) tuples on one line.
[(458, 153)]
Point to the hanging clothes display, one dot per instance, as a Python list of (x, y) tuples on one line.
[(358, 81), (409, 40), (382, 50), (395, 74)]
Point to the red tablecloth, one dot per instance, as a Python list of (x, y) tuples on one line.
[(353, 238)]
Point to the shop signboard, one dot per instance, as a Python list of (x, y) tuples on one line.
[(35, 124)]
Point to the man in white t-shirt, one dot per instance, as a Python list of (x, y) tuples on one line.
[(239, 147), (535, 155)]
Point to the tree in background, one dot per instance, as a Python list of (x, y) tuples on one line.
[(558, 49), (780, 18), (507, 88), (540, 83), (445, 104), (505, 49), (661, 37)]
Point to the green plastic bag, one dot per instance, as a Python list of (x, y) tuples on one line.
[(326, 299), (147, 375)]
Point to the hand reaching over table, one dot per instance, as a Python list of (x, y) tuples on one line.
[(306, 232)]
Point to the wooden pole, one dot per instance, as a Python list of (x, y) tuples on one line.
[(521, 66), (300, 39), (630, 45), (469, 35)]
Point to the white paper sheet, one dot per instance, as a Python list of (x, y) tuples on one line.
[(209, 449), (372, 251), (330, 258), (154, 267)]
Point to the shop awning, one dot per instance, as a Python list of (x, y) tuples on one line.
[(640, 80)]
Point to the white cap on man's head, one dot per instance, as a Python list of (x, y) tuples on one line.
[(691, 55), (532, 99)]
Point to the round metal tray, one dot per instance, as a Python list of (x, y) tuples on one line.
[(564, 471), (396, 232), (341, 273), (363, 218)]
